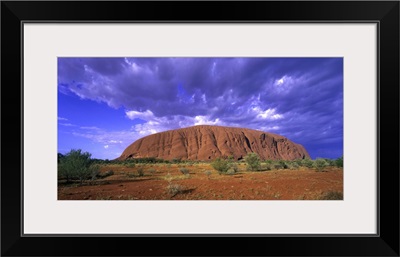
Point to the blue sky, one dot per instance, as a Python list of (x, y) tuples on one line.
[(105, 104)]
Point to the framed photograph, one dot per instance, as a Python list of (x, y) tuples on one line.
[(263, 123)]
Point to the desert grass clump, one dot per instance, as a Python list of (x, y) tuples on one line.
[(106, 174), (184, 171), (152, 170), (230, 171), (168, 178), (131, 165), (140, 172), (331, 195), (174, 189), (208, 173), (264, 167), (233, 166)]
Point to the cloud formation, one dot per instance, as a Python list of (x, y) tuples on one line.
[(300, 98)]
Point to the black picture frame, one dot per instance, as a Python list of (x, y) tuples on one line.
[(383, 13)]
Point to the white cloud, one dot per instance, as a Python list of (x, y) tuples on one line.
[(106, 146), (67, 124), (104, 136), (284, 80), (61, 118), (204, 120), (146, 115), (279, 82), (115, 142), (269, 114), (90, 128), (286, 84), (134, 67), (204, 98), (270, 128)]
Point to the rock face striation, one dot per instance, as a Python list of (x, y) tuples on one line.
[(206, 142)]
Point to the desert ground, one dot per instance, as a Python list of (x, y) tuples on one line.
[(199, 181)]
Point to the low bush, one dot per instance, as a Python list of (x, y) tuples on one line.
[(77, 165), (339, 162), (265, 166), (293, 165), (277, 165), (220, 165), (308, 163), (284, 164), (253, 161), (320, 164)]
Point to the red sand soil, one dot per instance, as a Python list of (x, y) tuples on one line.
[(125, 184)]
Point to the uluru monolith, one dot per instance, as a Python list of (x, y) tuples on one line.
[(206, 142)]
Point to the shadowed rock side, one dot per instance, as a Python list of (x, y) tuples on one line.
[(209, 142)]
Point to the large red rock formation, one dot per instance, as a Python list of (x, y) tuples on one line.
[(206, 142)]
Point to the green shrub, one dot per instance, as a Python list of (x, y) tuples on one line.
[(253, 161), (284, 164), (277, 165), (299, 162), (225, 165), (77, 165), (293, 165), (220, 165), (232, 168), (307, 163), (59, 157), (339, 162), (320, 164), (330, 162)]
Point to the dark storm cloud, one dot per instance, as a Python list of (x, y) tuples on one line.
[(301, 98)]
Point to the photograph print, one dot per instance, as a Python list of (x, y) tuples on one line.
[(201, 128)]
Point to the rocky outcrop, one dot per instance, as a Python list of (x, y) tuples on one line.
[(206, 142)]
